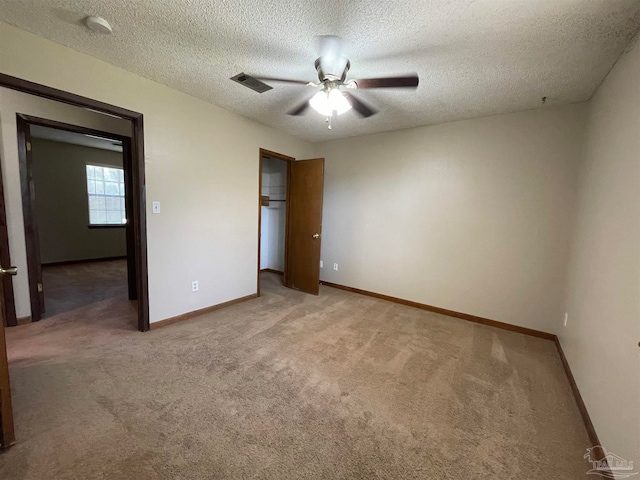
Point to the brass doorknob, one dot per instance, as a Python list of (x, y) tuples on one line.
[(316, 236), (9, 271)]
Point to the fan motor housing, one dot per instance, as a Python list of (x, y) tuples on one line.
[(328, 76)]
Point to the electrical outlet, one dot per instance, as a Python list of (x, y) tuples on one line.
[(566, 319), (155, 207), (321, 264), (194, 286), (335, 267)]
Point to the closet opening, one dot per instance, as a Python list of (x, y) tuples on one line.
[(274, 193)]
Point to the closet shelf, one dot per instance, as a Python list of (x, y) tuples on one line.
[(265, 200)]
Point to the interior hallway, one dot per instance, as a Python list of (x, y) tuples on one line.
[(290, 385)]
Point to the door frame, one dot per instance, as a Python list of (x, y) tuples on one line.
[(137, 177), (32, 239), (264, 152)]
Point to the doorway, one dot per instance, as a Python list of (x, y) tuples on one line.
[(134, 166), (136, 214), (76, 201), (290, 196), (273, 213)]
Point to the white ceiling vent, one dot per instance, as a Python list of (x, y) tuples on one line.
[(251, 82)]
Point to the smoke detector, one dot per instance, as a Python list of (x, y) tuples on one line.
[(99, 25)]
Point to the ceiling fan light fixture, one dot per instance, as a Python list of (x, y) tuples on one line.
[(338, 102), (320, 103), (325, 102)]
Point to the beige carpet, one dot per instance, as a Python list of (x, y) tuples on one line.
[(293, 386)]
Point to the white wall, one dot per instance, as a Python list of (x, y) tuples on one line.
[(603, 330), (201, 163), (62, 204), (468, 216), (12, 102)]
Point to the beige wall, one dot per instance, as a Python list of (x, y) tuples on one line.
[(473, 216), (201, 164), (12, 102), (62, 212), (468, 216), (603, 292)]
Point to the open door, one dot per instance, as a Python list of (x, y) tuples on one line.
[(7, 303), (304, 225), (7, 436), (7, 317), (32, 239), (130, 232)]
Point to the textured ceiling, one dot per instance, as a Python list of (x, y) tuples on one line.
[(474, 58), (73, 138)]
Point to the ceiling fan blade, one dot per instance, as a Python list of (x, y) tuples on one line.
[(285, 80), (359, 106), (300, 109), (409, 81)]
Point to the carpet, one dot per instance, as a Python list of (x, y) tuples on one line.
[(69, 287), (294, 386)]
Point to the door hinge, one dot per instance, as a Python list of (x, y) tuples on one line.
[(39, 288), (28, 146)]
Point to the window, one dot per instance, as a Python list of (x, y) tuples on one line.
[(105, 188)]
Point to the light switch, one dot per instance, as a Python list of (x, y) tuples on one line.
[(156, 207)]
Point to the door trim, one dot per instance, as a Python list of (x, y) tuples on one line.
[(137, 177), (269, 153)]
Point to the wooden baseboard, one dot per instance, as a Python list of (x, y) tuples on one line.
[(202, 311), (444, 311), (591, 430), (271, 270), (24, 320), (85, 260)]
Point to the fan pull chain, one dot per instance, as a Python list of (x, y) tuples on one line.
[(328, 120)]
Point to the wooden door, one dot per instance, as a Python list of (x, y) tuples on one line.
[(8, 306), (7, 436), (7, 317), (304, 225), (130, 230), (32, 239)]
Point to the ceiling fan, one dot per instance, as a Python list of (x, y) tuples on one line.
[(335, 96)]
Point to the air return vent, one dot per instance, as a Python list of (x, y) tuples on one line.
[(252, 83)]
